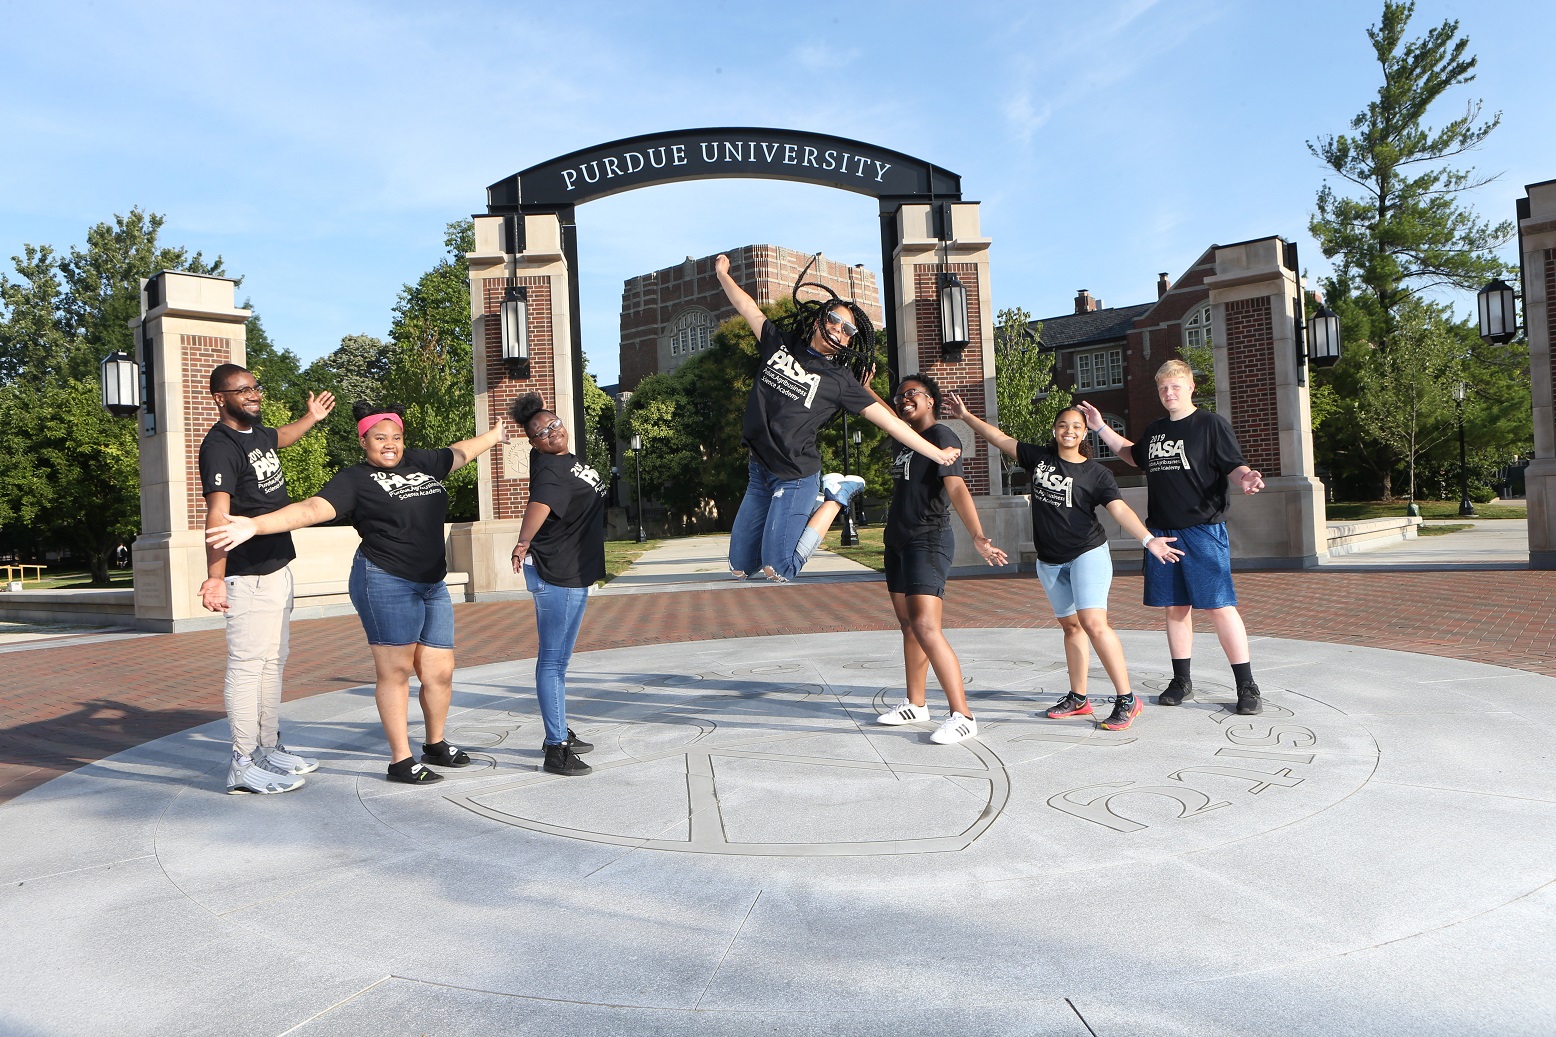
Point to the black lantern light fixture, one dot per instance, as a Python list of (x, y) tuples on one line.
[(1498, 311), (637, 465), (514, 316), (119, 375)]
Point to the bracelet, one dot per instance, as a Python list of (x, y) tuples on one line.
[(1146, 542)]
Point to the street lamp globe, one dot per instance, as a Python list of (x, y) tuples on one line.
[(1497, 303)]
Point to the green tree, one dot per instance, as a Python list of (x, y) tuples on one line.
[(1403, 398), (306, 462), (353, 371), (278, 370), (1024, 391), (1407, 231), (600, 416)]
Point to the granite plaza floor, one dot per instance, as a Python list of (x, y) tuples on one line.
[(1375, 854)]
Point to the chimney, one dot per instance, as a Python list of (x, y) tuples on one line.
[(1162, 284), (1084, 303)]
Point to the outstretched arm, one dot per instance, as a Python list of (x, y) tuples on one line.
[(1124, 448), (1004, 443), (738, 297), (961, 500), (319, 408), (467, 450), (879, 414), (1125, 516), (241, 528)]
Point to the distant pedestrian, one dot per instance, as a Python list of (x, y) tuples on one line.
[(1073, 560), (803, 381), (1191, 458), (396, 500), (240, 475), (561, 552), (919, 546)]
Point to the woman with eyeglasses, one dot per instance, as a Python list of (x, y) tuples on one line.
[(803, 381), (561, 552), (1073, 561), (396, 501), (919, 545)]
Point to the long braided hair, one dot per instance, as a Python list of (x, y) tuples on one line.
[(858, 354)]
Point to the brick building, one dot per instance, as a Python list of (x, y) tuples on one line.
[(669, 315), (1110, 356)]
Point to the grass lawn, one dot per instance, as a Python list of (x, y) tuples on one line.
[(1352, 511), (75, 579), (1437, 531), (871, 550), (620, 554)]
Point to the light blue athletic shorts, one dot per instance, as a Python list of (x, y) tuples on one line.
[(1080, 583)]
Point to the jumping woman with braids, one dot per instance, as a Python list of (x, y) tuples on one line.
[(396, 500), (804, 380), (1073, 560), (561, 552)]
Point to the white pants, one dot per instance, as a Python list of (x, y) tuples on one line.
[(259, 614)]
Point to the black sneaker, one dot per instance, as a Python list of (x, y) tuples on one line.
[(561, 759), (1178, 691), (576, 744), (1248, 701), (1125, 709)]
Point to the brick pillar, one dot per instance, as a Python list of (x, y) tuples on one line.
[(482, 548), (1254, 300), (916, 265), (1537, 247), (188, 325)]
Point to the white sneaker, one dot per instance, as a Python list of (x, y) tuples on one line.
[(279, 761), (840, 487), (244, 775), (905, 713), (955, 728)]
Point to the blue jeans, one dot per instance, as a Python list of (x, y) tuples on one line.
[(771, 519), (559, 613)]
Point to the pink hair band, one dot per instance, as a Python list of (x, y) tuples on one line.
[(373, 419)]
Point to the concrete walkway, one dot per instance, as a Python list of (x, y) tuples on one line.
[(1489, 544), (704, 560)]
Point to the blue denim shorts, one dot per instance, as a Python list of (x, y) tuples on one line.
[(1201, 578), (395, 611), (1081, 583)]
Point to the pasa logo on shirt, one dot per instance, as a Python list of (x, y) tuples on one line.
[(789, 377), (411, 484), (590, 476), (267, 468), (1055, 488), (901, 465), (1166, 455)]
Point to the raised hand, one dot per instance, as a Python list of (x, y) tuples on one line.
[(954, 407), (319, 406), (1092, 415), (721, 264)]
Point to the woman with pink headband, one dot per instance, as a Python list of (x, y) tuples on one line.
[(396, 500)]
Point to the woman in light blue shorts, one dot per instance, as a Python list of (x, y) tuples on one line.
[(1073, 561)]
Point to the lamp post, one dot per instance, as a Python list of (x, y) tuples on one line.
[(850, 536), (857, 503), (1466, 506), (637, 465)]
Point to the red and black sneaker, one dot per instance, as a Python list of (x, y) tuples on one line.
[(1125, 709), (1072, 705)]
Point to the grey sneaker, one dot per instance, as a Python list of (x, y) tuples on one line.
[(840, 488), (244, 775), (278, 761)]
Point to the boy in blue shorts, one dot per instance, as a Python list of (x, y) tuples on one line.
[(1191, 459)]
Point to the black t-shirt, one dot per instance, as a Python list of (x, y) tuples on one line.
[(1065, 499), (398, 511), (919, 502), (1186, 465), (245, 465), (569, 547), (796, 392)]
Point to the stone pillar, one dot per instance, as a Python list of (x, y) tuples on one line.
[(917, 262), (482, 548), (1254, 299), (1537, 248), (188, 325)]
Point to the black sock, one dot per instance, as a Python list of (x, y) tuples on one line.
[(403, 766), (432, 747), (1243, 672), (1180, 668)]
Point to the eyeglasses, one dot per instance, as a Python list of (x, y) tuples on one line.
[(840, 322), (246, 391), (547, 431), (908, 394)]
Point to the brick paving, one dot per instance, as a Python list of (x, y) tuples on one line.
[(61, 708)]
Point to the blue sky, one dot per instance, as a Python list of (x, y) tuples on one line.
[(321, 148)]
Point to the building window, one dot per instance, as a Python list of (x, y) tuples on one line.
[(690, 332), (1196, 329), (1103, 369), (1099, 449)]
